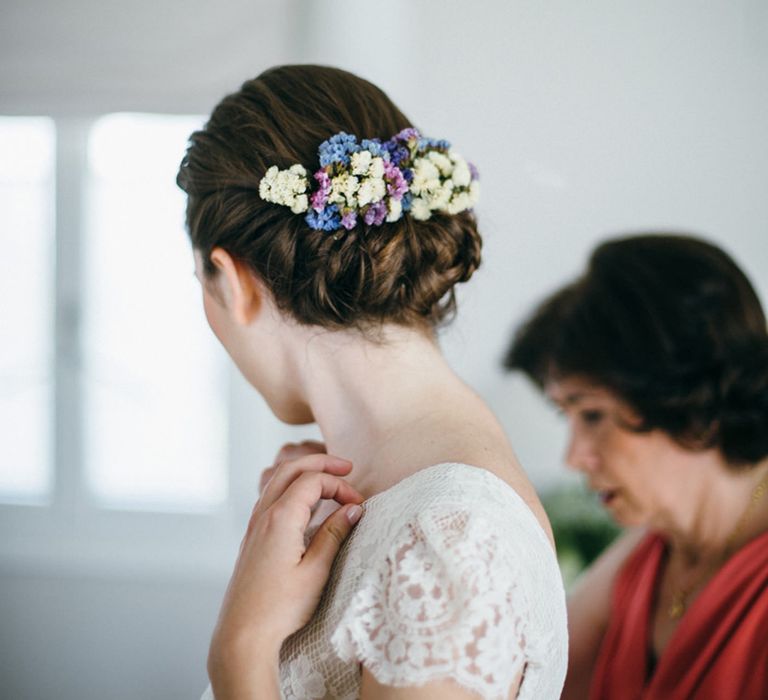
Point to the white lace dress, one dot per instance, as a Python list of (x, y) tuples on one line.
[(448, 575)]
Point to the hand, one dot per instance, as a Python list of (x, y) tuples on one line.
[(291, 451), (277, 581)]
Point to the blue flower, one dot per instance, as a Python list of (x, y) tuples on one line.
[(375, 147), (405, 202), (337, 149), (326, 220), (440, 144)]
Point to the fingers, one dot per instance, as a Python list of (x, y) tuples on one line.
[(293, 510), (285, 474), (294, 450), (308, 488), (287, 453), (266, 475), (330, 536)]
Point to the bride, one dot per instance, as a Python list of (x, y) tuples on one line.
[(328, 236)]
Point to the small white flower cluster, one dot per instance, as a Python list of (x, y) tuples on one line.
[(286, 187), (372, 187), (442, 182)]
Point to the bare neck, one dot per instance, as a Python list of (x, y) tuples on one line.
[(391, 407), (717, 514)]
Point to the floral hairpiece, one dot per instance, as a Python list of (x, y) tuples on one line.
[(375, 181)]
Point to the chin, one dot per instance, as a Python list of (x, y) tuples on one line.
[(627, 517), (292, 414)]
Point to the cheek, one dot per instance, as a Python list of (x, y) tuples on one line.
[(212, 314)]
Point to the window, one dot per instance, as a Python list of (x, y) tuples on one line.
[(114, 394), (27, 148), (154, 429)]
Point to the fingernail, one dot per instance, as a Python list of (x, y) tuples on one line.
[(354, 513)]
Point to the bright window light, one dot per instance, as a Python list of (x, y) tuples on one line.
[(154, 375), (27, 155)]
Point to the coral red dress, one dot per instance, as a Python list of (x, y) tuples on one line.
[(719, 651)]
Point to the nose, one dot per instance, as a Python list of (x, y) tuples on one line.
[(580, 453)]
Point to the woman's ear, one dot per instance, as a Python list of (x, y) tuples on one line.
[(241, 290)]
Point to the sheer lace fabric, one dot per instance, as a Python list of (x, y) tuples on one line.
[(447, 576)]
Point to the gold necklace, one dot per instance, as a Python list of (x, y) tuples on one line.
[(680, 596)]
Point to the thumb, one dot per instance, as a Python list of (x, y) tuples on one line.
[(330, 536)]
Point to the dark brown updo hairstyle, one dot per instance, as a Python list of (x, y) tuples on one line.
[(402, 272), (672, 326)]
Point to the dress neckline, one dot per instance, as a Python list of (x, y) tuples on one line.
[(479, 472), (420, 473)]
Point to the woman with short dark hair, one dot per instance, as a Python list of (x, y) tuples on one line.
[(658, 356)]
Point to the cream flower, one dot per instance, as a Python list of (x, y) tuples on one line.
[(394, 210), (459, 202), (376, 169), (365, 193), (420, 209), (440, 196), (361, 162), (379, 189), (340, 186), (286, 187), (371, 190), (300, 204), (426, 176), (462, 175), (441, 161), (350, 188)]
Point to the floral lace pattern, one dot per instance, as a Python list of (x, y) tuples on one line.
[(448, 575), (301, 681), (445, 605)]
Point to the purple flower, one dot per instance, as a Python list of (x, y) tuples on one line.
[(398, 145), (475, 172), (407, 134), (376, 214), (397, 153), (320, 196), (337, 149), (349, 220), (326, 220), (396, 184)]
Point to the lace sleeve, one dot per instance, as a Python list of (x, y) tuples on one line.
[(442, 604)]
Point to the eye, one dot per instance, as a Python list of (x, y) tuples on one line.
[(591, 416)]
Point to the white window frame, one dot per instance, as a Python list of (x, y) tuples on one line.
[(71, 533)]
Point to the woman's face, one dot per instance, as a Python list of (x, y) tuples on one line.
[(636, 475)]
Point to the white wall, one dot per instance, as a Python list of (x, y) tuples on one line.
[(585, 119)]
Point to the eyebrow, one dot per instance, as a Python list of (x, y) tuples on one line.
[(572, 398)]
